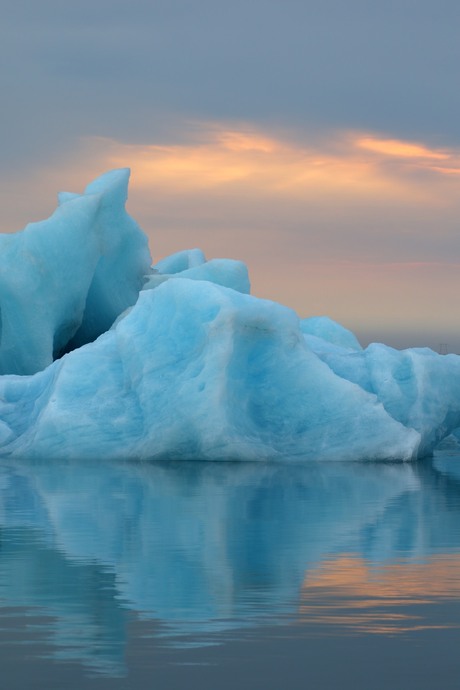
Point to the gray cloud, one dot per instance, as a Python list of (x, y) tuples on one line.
[(123, 70)]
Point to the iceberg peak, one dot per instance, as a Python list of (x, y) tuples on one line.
[(64, 280)]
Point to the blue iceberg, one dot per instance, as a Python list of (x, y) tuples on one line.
[(103, 356)]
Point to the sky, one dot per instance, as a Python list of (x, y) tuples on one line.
[(316, 140)]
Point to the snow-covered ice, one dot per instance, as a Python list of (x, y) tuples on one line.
[(179, 361)]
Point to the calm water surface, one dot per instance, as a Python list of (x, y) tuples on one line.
[(126, 576)]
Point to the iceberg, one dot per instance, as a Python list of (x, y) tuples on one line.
[(65, 280), (103, 356)]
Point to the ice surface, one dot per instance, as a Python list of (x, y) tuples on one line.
[(330, 331), (225, 272), (181, 261), (196, 368), (65, 280)]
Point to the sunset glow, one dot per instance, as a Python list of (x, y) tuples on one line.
[(333, 226), (403, 149), (224, 158)]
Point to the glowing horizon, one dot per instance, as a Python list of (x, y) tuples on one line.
[(341, 225)]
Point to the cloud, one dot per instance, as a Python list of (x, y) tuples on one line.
[(226, 158), (416, 154), (111, 69), (355, 225), (402, 149)]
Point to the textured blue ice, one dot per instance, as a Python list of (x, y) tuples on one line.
[(179, 361), (64, 281)]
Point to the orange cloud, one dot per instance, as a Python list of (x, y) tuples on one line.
[(243, 160), (319, 221), (415, 154), (237, 159), (397, 147), (446, 171), (244, 141)]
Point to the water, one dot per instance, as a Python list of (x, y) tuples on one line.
[(227, 575)]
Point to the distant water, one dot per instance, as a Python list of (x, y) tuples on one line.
[(228, 575)]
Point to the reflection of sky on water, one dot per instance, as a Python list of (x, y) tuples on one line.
[(205, 548)]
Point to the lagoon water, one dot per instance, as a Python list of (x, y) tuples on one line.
[(227, 575)]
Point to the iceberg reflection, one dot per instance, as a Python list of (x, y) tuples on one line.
[(201, 548)]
